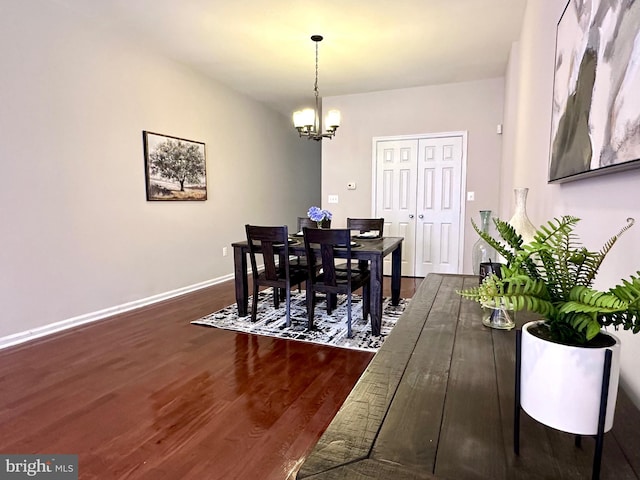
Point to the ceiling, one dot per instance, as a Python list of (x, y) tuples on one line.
[(262, 47)]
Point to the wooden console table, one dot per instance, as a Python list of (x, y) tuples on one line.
[(437, 402)]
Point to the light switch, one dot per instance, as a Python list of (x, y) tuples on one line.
[(471, 196), (333, 199)]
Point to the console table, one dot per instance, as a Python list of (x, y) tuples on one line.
[(437, 401)]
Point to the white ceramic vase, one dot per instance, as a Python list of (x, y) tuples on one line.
[(520, 221), (561, 385)]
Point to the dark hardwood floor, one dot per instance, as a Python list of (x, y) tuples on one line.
[(147, 395)]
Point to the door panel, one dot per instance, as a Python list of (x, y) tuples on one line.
[(428, 200), (428, 240)]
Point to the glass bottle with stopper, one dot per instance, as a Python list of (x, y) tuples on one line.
[(482, 252)]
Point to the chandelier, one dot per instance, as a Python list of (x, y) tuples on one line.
[(307, 121)]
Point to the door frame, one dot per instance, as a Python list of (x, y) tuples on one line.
[(463, 174)]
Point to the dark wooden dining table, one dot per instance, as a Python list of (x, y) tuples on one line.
[(372, 250)]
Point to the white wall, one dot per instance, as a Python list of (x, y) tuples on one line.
[(78, 235), (603, 202), (475, 107)]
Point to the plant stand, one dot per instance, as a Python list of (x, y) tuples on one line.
[(606, 376)]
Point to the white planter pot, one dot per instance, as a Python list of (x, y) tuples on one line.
[(561, 385)]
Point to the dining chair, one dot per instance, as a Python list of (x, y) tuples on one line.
[(272, 243), (367, 225), (321, 247), (306, 222), (301, 261), (368, 228)]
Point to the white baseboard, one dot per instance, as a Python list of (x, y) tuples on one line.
[(21, 337)]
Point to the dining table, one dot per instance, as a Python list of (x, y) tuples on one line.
[(372, 250)]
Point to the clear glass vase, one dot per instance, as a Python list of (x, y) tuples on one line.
[(497, 318), (520, 221), (482, 252)]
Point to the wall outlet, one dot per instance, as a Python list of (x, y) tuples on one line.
[(333, 199), (224, 251)]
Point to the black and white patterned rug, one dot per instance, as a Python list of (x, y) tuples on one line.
[(328, 329)]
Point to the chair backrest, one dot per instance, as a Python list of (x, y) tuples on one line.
[(306, 222), (270, 242), (326, 240), (364, 225)]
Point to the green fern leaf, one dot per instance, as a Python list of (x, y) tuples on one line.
[(592, 329)]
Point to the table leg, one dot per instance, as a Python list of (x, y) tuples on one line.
[(242, 285), (375, 305), (396, 274)]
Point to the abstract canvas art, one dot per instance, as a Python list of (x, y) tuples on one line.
[(595, 125)]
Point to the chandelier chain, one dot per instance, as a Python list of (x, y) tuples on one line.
[(315, 88), (317, 94)]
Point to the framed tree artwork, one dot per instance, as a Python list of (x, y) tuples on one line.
[(175, 168), (595, 126)]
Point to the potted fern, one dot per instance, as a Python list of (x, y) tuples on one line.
[(553, 276)]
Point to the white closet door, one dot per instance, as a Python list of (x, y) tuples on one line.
[(438, 197), (396, 166), (419, 183)]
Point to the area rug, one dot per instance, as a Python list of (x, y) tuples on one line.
[(328, 329)]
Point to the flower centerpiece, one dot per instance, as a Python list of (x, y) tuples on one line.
[(320, 216)]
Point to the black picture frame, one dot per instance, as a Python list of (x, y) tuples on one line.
[(595, 125), (175, 168)]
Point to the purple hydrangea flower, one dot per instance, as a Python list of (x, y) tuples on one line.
[(317, 214)]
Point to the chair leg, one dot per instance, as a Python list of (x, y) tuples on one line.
[(288, 306), (254, 302), (366, 301), (349, 315), (276, 297), (310, 307), (332, 302)]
